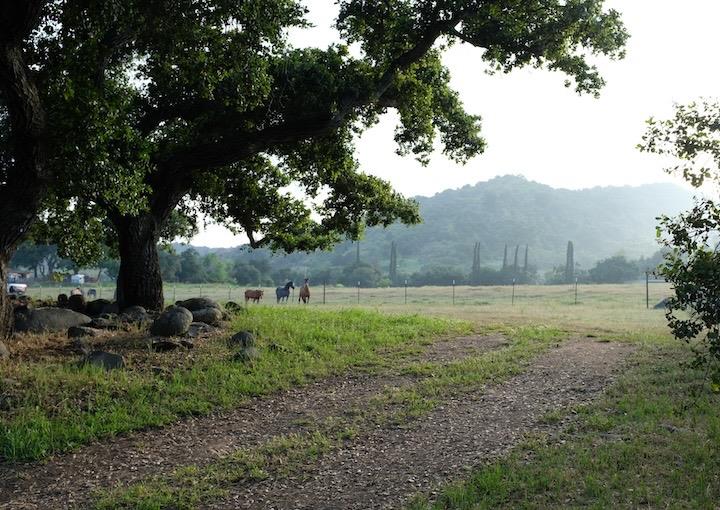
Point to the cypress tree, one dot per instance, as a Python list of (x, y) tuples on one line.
[(525, 265), (515, 261), (570, 263), (505, 264), (475, 274), (393, 263)]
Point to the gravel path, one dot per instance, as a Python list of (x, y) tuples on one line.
[(387, 467), (69, 479)]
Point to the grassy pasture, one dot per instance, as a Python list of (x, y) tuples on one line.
[(613, 309), (649, 442), (54, 405)]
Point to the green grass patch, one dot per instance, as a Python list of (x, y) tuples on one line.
[(647, 443), (56, 406), (440, 380), (189, 486)]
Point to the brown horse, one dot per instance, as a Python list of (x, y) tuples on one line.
[(304, 292), (256, 295)]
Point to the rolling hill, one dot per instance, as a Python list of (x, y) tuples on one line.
[(601, 222)]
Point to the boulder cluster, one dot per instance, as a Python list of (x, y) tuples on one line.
[(178, 326)]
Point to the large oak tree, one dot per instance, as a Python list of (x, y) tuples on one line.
[(161, 104)]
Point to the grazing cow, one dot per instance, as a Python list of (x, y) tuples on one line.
[(92, 293), (282, 293), (304, 292), (256, 295)]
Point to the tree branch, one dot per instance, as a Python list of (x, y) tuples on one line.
[(234, 147)]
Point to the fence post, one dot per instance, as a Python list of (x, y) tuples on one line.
[(229, 292), (405, 291), (453, 291), (512, 302), (358, 292), (575, 290), (647, 289), (174, 292), (324, 283)]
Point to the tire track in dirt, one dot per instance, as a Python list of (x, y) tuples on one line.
[(386, 467), (68, 480)]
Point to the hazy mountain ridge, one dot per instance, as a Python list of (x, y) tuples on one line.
[(601, 222)]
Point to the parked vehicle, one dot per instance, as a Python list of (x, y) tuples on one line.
[(16, 288)]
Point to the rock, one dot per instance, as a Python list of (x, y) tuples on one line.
[(175, 321), (41, 320), (233, 307), (77, 303), (211, 316), (164, 345), (662, 304), (134, 315), (102, 359), (21, 313), (4, 351), (198, 329), (161, 371), (243, 338), (247, 355), (80, 345), (62, 300), (81, 331), (278, 348), (198, 303), (111, 309), (103, 323), (97, 307)]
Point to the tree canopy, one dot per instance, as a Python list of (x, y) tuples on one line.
[(692, 264), (143, 107)]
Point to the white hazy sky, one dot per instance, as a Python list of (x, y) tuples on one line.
[(536, 127)]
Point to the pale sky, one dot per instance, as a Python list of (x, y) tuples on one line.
[(536, 127)]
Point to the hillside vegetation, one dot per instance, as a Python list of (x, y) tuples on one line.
[(601, 222)]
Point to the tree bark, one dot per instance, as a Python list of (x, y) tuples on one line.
[(139, 280), (6, 310), (25, 180)]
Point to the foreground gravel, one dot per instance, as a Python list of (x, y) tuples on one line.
[(387, 467), (68, 480)]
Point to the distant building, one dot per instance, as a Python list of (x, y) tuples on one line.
[(77, 279), (18, 276)]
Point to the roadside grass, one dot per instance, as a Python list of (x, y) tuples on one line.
[(54, 405), (190, 486), (651, 441), (396, 406), (438, 381)]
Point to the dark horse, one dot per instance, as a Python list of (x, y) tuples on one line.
[(283, 293)]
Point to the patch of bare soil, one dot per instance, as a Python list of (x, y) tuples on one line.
[(385, 468), (69, 479)]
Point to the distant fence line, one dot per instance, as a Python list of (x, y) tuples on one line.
[(511, 295)]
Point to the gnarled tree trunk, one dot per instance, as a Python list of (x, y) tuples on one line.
[(139, 279), (24, 181), (6, 311)]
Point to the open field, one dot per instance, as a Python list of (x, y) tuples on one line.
[(607, 308), (630, 295), (597, 410)]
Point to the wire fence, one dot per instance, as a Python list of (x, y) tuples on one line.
[(643, 294)]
